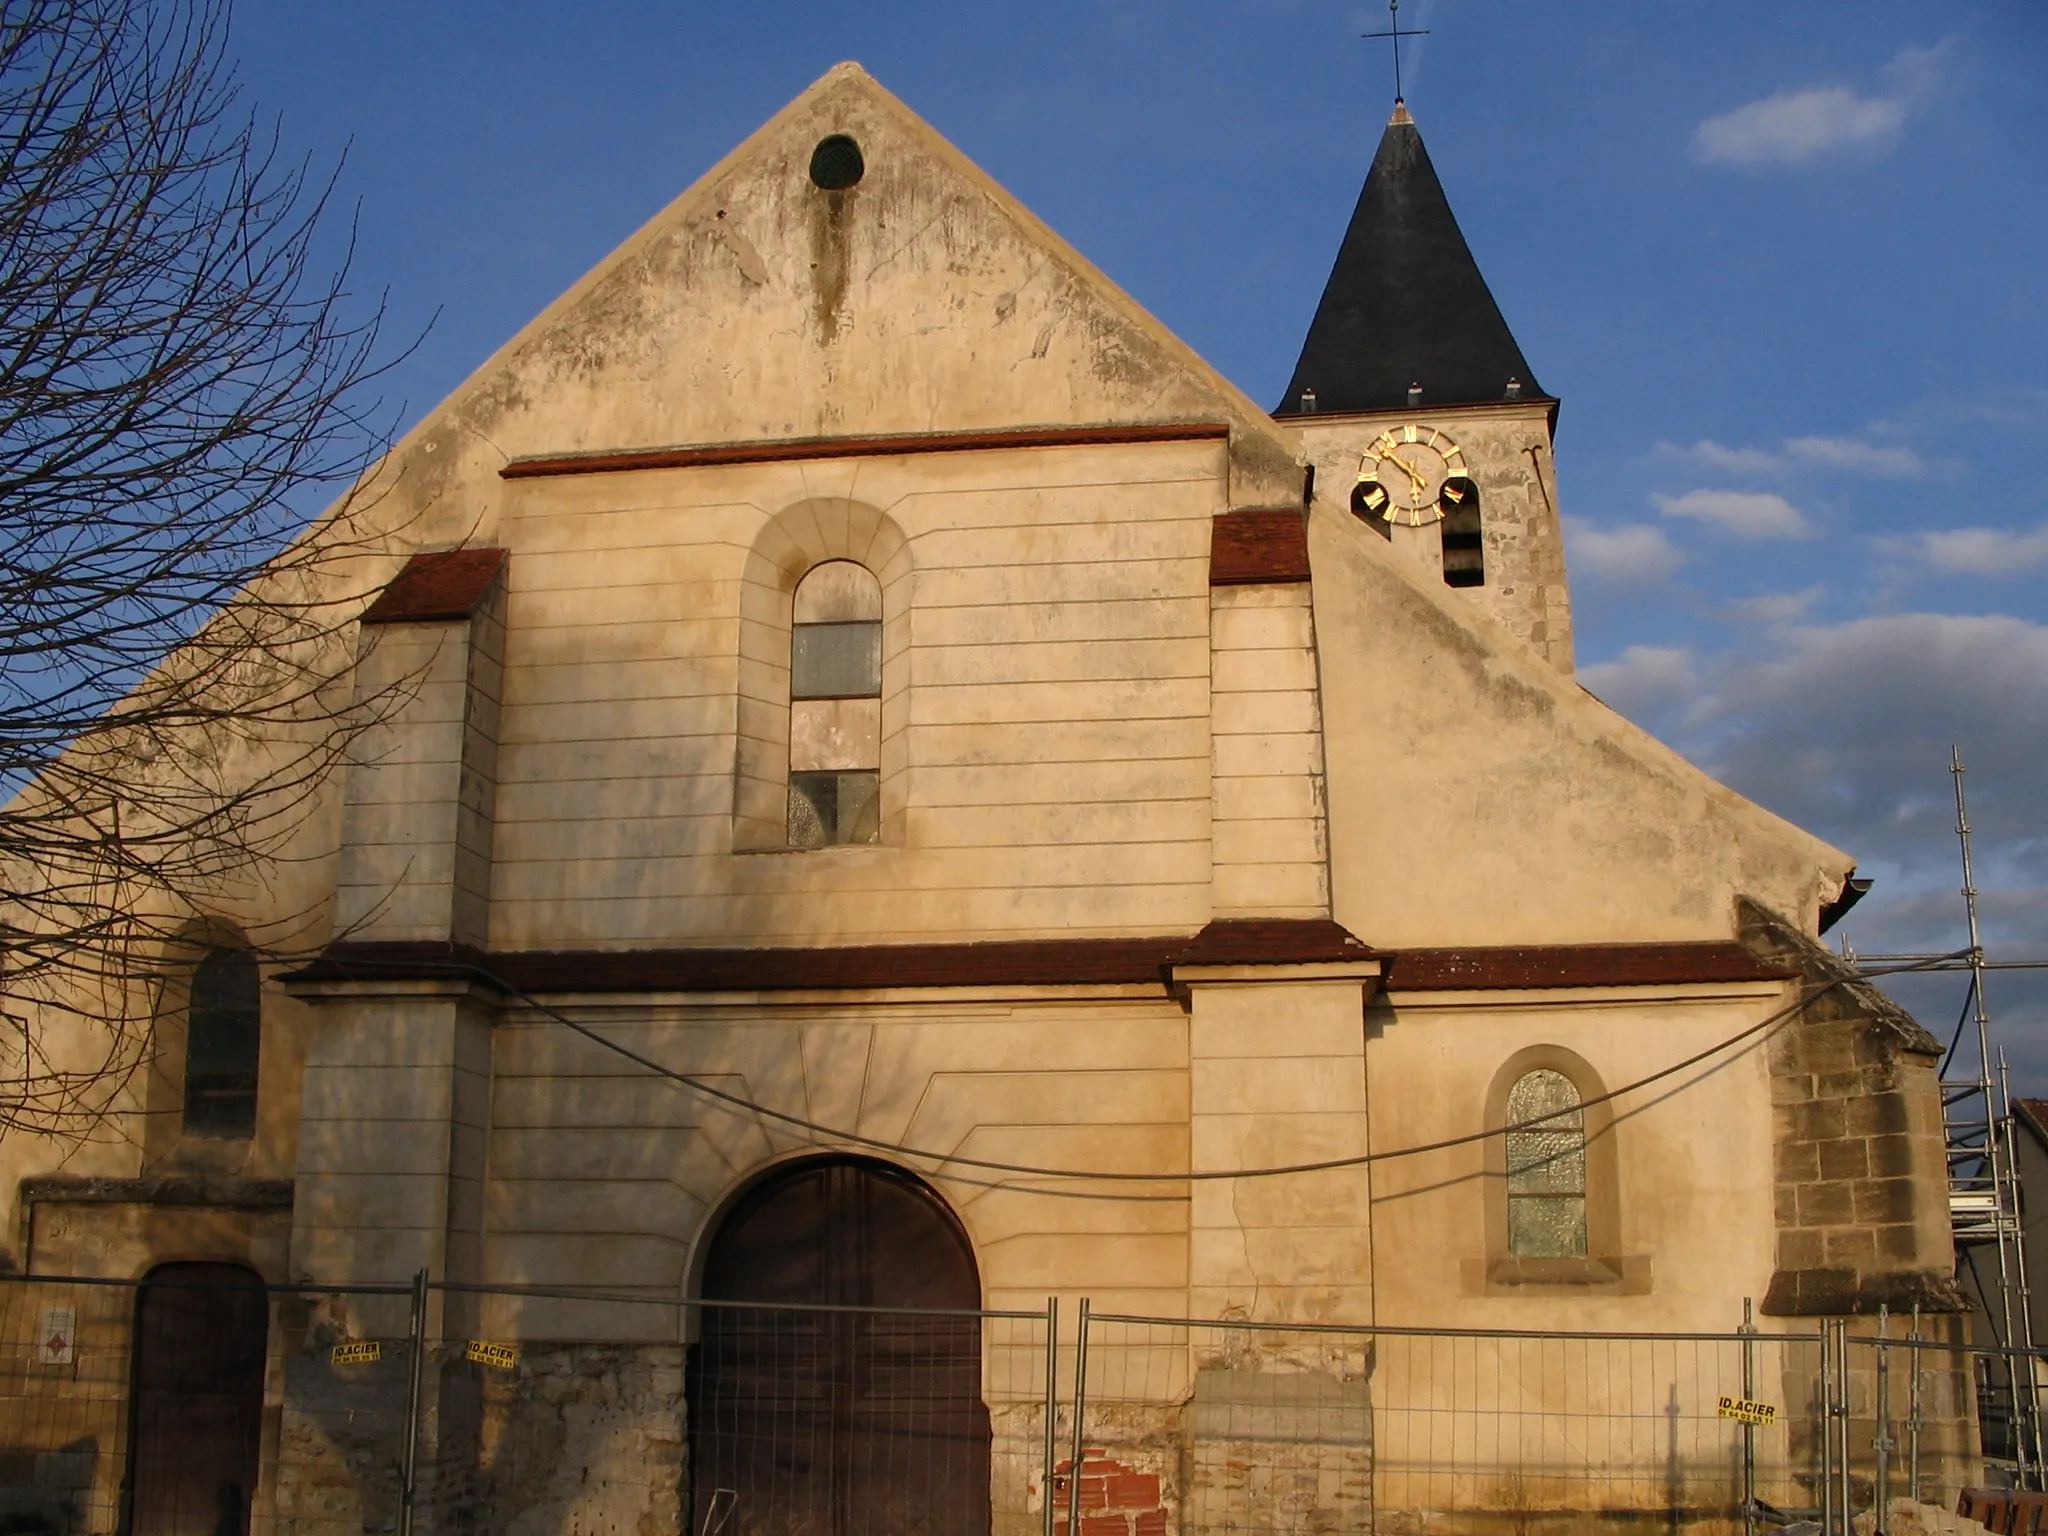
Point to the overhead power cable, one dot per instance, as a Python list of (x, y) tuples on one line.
[(1768, 1025)]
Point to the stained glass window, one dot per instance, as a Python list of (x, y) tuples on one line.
[(1546, 1167)]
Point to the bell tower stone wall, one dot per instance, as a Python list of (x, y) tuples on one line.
[(1507, 451)]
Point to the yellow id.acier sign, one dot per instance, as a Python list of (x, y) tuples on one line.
[(357, 1352), (1748, 1410), (501, 1357)]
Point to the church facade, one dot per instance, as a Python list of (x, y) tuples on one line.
[(1097, 836)]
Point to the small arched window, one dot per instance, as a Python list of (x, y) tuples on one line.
[(1546, 1167), (1464, 549), (223, 1032), (835, 707)]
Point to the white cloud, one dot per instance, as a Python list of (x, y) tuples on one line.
[(1775, 607), (1634, 552), (2006, 410), (1647, 683), (1794, 127), (1845, 729), (1843, 453), (1797, 127), (1981, 551), (1746, 514), (1854, 454), (1708, 454)]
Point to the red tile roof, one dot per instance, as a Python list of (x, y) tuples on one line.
[(1040, 962), (1265, 545), (441, 585)]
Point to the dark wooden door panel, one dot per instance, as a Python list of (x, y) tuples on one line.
[(839, 1424), (201, 1332)]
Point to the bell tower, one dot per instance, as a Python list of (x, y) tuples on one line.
[(1418, 411)]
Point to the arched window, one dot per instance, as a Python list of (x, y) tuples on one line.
[(223, 1032), (1546, 1167), (835, 707), (1464, 550)]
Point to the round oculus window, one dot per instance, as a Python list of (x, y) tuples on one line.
[(836, 163)]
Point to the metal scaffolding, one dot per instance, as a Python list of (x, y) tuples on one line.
[(1983, 1170)]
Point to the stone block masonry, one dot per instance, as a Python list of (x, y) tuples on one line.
[(574, 1438), (1859, 1153)]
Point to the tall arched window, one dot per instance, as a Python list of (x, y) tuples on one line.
[(1546, 1167), (223, 1033), (835, 707), (1464, 548)]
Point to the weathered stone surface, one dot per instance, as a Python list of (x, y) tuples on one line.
[(1903, 1517), (1861, 1194)]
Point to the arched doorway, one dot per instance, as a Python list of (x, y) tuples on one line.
[(201, 1333), (856, 1423)]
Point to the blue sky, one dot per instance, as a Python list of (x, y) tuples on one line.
[(1782, 264)]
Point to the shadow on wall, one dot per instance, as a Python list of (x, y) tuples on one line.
[(46, 1493)]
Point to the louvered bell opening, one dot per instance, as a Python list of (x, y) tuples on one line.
[(1464, 547)]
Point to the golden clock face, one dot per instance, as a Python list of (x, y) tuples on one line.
[(1411, 474)]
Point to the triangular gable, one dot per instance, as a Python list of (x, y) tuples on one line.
[(758, 307)]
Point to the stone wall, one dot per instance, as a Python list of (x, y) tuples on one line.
[(576, 1438), (1507, 451), (1858, 1149), (339, 1467)]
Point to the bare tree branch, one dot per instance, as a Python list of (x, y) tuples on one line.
[(178, 376)]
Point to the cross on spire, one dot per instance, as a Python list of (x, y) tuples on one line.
[(1396, 31)]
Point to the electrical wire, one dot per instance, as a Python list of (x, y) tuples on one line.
[(1768, 1025), (1955, 1040)]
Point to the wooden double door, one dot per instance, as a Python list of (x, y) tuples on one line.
[(201, 1332), (812, 1422)]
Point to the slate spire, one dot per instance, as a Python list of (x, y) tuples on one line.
[(1405, 304)]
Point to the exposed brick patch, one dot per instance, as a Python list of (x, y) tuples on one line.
[(1116, 1499)]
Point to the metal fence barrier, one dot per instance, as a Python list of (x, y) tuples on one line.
[(1934, 1420), (140, 1405), (579, 1411), (200, 1401), (1204, 1426)]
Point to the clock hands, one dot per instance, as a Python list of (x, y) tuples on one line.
[(1433, 487), (1415, 476)]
